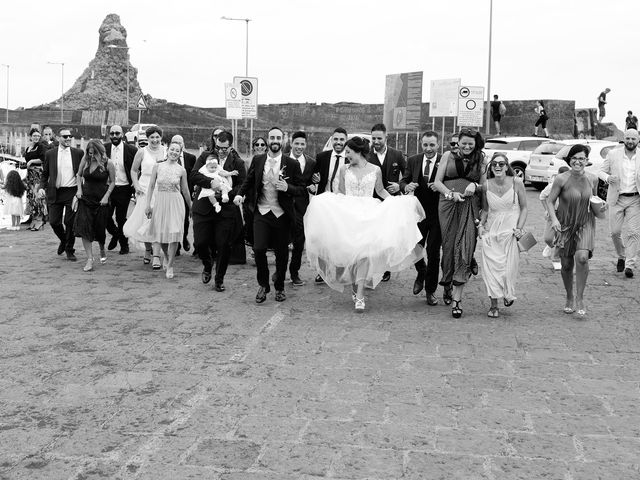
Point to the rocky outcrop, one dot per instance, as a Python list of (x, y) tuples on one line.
[(103, 84)]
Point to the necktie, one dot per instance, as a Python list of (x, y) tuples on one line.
[(335, 170), (426, 169), (271, 174)]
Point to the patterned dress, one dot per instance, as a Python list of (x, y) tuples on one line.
[(167, 219)]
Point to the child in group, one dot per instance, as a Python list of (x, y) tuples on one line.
[(15, 188), (212, 169), (549, 250)]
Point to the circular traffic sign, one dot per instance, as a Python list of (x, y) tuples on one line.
[(246, 87), (464, 92), (233, 93), (471, 104)]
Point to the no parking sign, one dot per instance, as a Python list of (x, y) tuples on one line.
[(470, 106)]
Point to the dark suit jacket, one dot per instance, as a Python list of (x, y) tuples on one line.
[(50, 170), (427, 197), (189, 162), (301, 202), (128, 154), (253, 183), (323, 161), (393, 168), (203, 206)]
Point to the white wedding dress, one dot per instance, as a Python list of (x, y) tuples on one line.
[(356, 237)]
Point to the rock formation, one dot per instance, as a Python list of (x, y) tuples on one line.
[(103, 84)]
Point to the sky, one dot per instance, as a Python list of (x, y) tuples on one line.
[(332, 50)]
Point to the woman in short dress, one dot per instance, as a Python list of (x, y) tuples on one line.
[(458, 180), (143, 163), (574, 224), (167, 213), (96, 180)]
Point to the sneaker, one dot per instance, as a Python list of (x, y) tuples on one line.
[(557, 265), (546, 253)]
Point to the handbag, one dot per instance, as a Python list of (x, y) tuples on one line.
[(596, 203), (526, 242)]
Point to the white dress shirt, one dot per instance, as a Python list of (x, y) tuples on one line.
[(117, 157), (302, 161), (381, 155), (628, 180), (66, 178), (268, 200), (431, 165), (333, 187)]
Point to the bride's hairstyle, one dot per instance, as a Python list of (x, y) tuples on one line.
[(359, 145)]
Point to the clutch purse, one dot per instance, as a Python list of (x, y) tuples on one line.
[(526, 242), (596, 203)]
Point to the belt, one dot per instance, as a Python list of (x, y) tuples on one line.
[(629, 194)]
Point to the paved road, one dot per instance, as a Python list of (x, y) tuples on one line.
[(122, 374)]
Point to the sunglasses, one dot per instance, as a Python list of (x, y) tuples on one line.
[(66, 136), (453, 144), (498, 164), (115, 134), (260, 145)]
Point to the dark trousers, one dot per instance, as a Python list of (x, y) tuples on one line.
[(212, 236), (430, 270), (271, 230), (186, 222), (119, 203), (298, 239), (62, 209)]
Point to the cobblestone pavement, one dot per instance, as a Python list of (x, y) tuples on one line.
[(123, 374)]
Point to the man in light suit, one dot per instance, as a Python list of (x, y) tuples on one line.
[(59, 185), (418, 178), (390, 161), (121, 154), (621, 170)]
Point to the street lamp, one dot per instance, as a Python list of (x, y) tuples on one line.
[(127, 59), (62, 90), (488, 114), (246, 20), (5, 65)]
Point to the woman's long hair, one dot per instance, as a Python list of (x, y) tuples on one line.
[(491, 174), (100, 153), (13, 184), (476, 157)]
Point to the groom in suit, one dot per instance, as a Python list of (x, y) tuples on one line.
[(274, 179), (59, 185), (418, 178), (621, 170), (390, 161)]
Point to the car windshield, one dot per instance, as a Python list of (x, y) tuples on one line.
[(501, 145), (549, 148)]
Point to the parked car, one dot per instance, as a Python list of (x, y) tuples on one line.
[(137, 133), (539, 157), (517, 149), (542, 168), (329, 144)]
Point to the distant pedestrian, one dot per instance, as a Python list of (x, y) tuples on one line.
[(497, 111), (621, 170), (631, 121), (602, 101), (453, 143), (542, 119), (15, 188)]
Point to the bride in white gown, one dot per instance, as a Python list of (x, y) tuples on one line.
[(353, 238)]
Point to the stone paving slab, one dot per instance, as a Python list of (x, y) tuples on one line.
[(120, 373)]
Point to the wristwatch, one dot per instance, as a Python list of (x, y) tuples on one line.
[(448, 195)]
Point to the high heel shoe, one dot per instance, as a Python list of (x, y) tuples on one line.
[(147, 257), (447, 296), (456, 311), (156, 263), (89, 266), (103, 257)]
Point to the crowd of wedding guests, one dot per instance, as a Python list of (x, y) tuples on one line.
[(436, 208)]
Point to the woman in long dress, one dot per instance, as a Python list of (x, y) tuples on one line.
[(96, 179), (504, 213), (34, 155), (352, 238), (167, 214), (574, 224), (146, 158), (458, 180)]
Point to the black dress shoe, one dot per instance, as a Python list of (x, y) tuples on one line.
[(71, 257), (431, 299), (418, 285), (186, 245), (620, 266), (280, 296), (386, 276), (261, 296), (206, 276), (628, 273), (319, 279), (113, 243), (296, 280), (61, 248), (124, 250), (219, 287)]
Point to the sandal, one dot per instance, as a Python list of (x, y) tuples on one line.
[(493, 312), (89, 266), (507, 303), (447, 296), (156, 263), (147, 257), (456, 311)]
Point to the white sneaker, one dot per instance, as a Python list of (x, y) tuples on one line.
[(546, 253), (557, 265)]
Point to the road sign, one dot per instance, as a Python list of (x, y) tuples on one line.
[(249, 93), (403, 101), (443, 98), (142, 103), (233, 100), (470, 106)]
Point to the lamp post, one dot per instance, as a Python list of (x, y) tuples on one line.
[(61, 90), (5, 65), (488, 114), (127, 59)]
